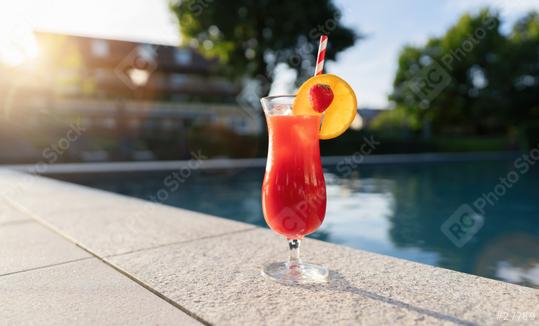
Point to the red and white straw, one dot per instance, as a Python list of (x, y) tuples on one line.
[(321, 55)]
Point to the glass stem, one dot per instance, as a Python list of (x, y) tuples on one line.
[(293, 260)]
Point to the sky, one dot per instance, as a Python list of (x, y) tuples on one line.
[(369, 66)]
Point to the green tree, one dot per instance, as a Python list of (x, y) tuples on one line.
[(250, 37), (474, 79), (460, 61), (523, 56), (394, 122)]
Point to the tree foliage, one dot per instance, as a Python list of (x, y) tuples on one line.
[(475, 79), (250, 37), (394, 122)]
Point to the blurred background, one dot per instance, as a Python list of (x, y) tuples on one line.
[(137, 80), (153, 81)]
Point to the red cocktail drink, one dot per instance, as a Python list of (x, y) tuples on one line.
[(294, 191)]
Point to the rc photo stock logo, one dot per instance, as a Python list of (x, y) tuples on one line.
[(297, 219), (135, 69), (468, 219), (462, 225), (430, 81)]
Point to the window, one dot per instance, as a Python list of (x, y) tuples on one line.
[(183, 56), (100, 48), (179, 79), (146, 52)]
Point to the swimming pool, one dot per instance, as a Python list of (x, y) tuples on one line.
[(392, 209)]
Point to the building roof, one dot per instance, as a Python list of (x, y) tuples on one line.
[(112, 67), (102, 52)]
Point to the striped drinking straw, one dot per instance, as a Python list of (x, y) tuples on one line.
[(321, 55)]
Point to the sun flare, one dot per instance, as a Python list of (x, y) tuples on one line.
[(17, 42)]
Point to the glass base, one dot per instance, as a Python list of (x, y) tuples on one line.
[(301, 273)]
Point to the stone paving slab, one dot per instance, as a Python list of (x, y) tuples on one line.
[(106, 223), (47, 196), (115, 230), (211, 268), (219, 280), (9, 214), (86, 292), (29, 245)]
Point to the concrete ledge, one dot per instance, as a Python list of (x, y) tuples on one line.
[(210, 267), (37, 248), (9, 214), (82, 293), (106, 223)]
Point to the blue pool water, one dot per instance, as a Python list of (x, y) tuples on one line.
[(392, 209)]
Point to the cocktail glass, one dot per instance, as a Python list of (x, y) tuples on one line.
[(294, 190)]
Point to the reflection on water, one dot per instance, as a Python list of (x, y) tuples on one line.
[(395, 210), (512, 258), (509, 273), (359, 215)]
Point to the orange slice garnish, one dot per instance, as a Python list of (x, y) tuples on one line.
[(342, 110)]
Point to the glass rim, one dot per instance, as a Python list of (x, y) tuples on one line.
[(272, 97)]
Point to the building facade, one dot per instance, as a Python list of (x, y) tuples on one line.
[(128, 90)]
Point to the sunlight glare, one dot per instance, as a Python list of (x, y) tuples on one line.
[(17, 42)]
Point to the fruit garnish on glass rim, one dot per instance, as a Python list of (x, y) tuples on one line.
[(320, 96), (313, 96)]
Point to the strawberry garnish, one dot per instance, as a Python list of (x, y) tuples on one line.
[(320, 96)]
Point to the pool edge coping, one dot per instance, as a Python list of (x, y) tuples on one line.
[(249, 228)]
